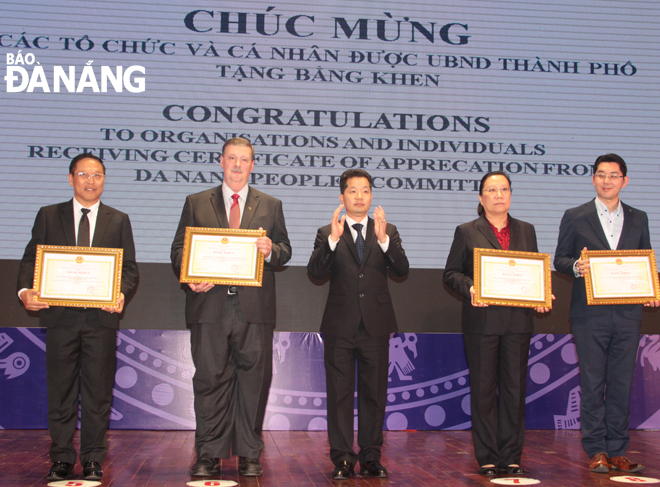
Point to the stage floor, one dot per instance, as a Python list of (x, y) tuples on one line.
[(300, 458)]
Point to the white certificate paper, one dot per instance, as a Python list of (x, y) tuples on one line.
[(222, 257), (77, 277), (517, 279), (621, 277)]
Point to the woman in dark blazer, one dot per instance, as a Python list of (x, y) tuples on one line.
[(496, 337)]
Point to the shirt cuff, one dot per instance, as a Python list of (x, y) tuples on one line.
[(575, 270), (331, 244), (386, 245)]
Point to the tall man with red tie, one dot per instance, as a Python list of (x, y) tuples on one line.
[(80, 342), (356, 252), (231, 327)]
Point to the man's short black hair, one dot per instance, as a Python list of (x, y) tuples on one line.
[(80, 157), (353, 173), (615, 158)]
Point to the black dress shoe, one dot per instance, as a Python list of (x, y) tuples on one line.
[(205, 467), (250, 467), (373, 468), (490, 471), (60, 471), (515, 470), (92, 471), (343, 470)]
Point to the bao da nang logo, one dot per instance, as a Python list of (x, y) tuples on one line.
[(24, 73)]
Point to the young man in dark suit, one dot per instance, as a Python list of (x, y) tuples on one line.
[(357, 252), (80, 342), (606, 336), (231, 327)]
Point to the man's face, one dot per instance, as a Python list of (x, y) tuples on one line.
[(237, 164), (356, 198), (495, 201), (608, 188), (87, 189)]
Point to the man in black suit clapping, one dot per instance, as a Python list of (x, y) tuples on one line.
[(357, 251)]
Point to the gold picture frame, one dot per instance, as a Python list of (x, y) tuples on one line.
[(222, 256), (621, 276), (512, 278), (86, 277)]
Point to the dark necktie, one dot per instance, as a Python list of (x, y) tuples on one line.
[(359, 240), (83, 229), (235, 213)]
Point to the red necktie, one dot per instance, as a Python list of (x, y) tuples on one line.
[(235, 213)]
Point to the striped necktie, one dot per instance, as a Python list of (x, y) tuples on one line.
[(359, 240)]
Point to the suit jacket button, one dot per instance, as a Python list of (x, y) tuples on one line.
[(361, 295), (361, 276)]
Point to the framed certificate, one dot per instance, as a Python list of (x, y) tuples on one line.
[(621, 276), (87, 277), (512, 278), (222, 256)]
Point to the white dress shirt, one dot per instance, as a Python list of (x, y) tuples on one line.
[(91, 216), (351, 222), (611, 221)]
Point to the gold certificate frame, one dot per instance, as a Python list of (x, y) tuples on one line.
[(621, 276), (88, 277), (512, 278), (222, 256)]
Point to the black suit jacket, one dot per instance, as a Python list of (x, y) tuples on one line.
[(580, 227), (459, 275), (358, 290), (207, 209), (55, 225)]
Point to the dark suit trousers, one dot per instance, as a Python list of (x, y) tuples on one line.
[(606, 348), (498, 378), (372, 357), (233, 369), (80, 360)]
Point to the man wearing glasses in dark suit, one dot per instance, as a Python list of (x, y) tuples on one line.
[(80, 342), (606, 336)]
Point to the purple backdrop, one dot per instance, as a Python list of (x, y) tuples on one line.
[(428, 382)]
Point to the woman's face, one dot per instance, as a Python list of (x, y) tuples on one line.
[(496, 196)]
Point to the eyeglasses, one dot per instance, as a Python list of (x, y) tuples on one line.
[(96, 176), (493, 191), (614, 177)]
